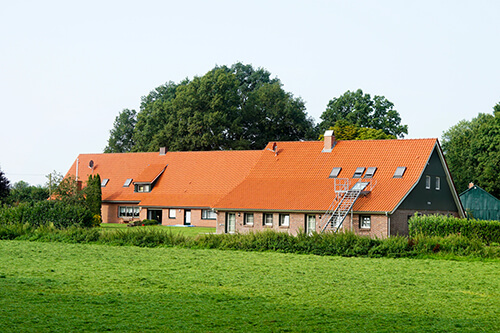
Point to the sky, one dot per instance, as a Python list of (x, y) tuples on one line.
[(68, 68)]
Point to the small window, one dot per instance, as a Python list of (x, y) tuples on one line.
[(104, 182), (171, 213), (359, 172), (400, 171), (142, 188), (438, 183), (127, 182), (208, 214), (335, 172), (268, 219), (370, 172), (285, 220), (248, 219), (427, 182), (365, 222)]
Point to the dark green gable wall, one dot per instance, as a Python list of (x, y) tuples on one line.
[(423, 199), (481, 205)]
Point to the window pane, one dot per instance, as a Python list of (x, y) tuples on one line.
[(438, 183), (249, 218), (268, 219), (171, 213), (127, 182), (285, 220), (335, 172), (359, 172), (399, 172), (365, 222), (428, 182)]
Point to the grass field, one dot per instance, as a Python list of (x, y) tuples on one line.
[(56, 287)]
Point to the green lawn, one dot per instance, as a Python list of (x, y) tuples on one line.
[(187, 231), (79, 287)]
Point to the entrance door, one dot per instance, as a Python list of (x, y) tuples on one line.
[(155, 214), (230, 223), (310, 224), (187, 217)]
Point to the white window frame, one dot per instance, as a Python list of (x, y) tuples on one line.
[(129, 211), (284, 220), (365, 222), (268, 219), (438, 183), (171, 213), (208, 214), (427, 182), (246, 220)]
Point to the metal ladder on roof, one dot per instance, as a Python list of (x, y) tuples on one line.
[(345, 198)]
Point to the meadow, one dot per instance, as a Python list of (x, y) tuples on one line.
[(60, 287)]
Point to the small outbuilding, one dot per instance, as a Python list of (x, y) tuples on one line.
[(479, 204)]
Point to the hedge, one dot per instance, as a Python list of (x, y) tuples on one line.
[(50, 212), (437, 225)]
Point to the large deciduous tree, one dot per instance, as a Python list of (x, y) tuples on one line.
[(235, 107), (121, 135), (472, 150), (360, 110)]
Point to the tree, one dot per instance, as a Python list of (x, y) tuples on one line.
[(344, 130), (93, 197), (235, 107), (361, 110), (53, 180), (472, 150), (121, 135), (4, 187), (24, 192)]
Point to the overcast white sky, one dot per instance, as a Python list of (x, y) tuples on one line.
[(68, 68)]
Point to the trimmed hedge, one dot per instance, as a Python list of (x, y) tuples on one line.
[(437, 225), (49, 212)]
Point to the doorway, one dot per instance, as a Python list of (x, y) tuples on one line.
[(310, 224), (187, 217), (155, 214), (230, 223)]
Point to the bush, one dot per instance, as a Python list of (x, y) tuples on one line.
[(436, 225), (143, 223)]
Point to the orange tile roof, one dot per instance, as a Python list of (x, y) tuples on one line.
[(191, 179), (297, 178)]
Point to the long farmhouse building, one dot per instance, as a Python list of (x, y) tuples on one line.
[(369, 186)]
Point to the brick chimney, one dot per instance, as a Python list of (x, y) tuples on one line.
[(163, 151), (329, 141)]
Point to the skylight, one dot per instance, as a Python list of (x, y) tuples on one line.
[(335, 172), (370, 172), (104, 182), (359, 172), (399, 172), (127, 182)]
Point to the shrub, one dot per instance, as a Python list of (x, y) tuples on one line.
[(436, 225)]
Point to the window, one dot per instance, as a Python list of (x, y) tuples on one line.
[(365, 222), (142, 188), (285, 220), (171, 213), (208, 214), (248, 219), (359, 172), (427, 182), (370, 172), (399, 172), (127, 182), (128, 211), (268, 219), (104, 182), (438, 183), (335, 172)]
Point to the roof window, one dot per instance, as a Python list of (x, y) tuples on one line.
[(104, 182), (127, 182), (399, 172), (370, 172), (335, 172), (359, 172)]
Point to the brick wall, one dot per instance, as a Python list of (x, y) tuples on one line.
[(196, 219)]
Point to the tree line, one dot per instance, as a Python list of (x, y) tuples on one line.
[(240, 107)]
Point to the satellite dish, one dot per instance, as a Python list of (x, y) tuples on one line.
[(91, 164)]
